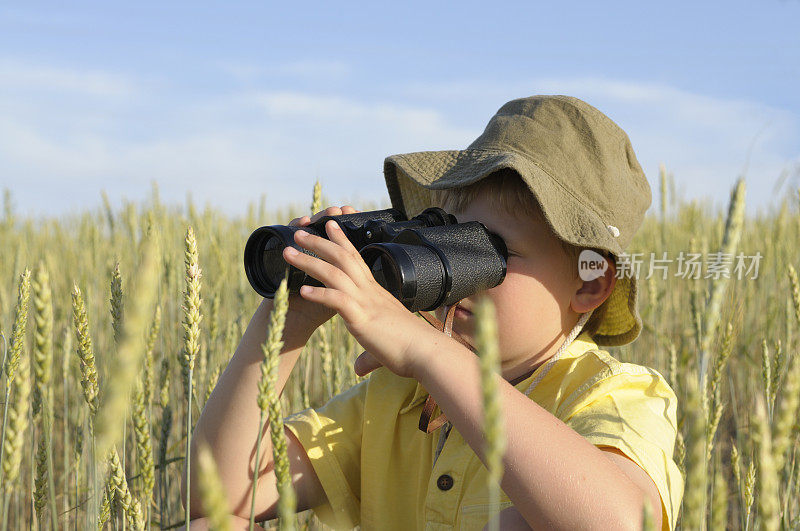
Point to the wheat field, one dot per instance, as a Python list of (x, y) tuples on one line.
[(116, 324)]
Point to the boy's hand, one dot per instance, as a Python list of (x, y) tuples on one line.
[(304, 314), (379, 322)]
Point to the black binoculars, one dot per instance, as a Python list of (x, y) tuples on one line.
[(424, 262)]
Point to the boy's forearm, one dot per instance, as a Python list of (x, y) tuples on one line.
[(229, 421), (555, 478)]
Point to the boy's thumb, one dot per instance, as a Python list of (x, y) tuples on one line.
[(365, 364)]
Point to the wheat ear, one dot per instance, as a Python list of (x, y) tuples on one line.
[(14, 355)]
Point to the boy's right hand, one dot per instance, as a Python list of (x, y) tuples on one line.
[(303, 314)]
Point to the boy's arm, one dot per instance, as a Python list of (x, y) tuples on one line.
[(555, 478), (229, 426), (511, 519), (640, 477)]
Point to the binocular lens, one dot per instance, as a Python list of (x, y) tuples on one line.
[(413, 274), (264, 263), (386, 274), (273, 266)]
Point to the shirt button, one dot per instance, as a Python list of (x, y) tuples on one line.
[(444, 482)]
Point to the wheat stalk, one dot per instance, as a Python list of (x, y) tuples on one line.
[(795, 291), (749, 486), (494, 429), (720, 363), (131, 507), (787, 413), (65, 348), (85, 351), (12, 362), (779, 362), (213, 322), (116, 304), (766, 375), (316, 199), (673, 364), (719, 500), (126, 365), (269, 402), (730, 241), (144, 447), (694, 500), (105, 504), (166, 426), (20, 387), (736, 468), (212, 382), (42, 337), (40, 481), (19, 327), (149, 361), (327, 357), (768, 504), (43, 372), (191, 344), (680, 453)]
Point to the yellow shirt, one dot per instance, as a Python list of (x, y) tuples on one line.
[(377, 468)]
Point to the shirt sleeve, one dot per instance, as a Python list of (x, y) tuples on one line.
[(331, 437), (635, 412)]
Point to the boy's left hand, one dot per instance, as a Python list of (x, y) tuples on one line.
[(378, 321)]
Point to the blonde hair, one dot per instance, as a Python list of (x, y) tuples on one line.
[(507, 192)]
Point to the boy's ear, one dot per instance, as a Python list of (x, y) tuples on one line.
[(592, 293)]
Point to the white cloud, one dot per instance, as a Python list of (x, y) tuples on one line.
[(18, 75), (314, 68), (228, 150), (307, 69), (56, 154)]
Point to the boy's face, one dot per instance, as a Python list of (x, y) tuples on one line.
[(533, 301)]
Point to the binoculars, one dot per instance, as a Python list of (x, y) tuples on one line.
[(424, 262)]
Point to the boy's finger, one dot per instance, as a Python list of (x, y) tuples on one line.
[(332, 298), (303, 220), (333, 252), (327, 273), (330, 211), (366, 363), (337, 235)]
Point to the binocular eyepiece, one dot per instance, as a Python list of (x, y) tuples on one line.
[(424, 262)]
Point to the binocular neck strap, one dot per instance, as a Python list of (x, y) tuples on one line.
[(447, 325), (425, 423)]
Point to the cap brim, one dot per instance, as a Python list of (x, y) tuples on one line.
[(570, 219), (410, 177)]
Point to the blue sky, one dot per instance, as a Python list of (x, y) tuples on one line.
[(235, 100)]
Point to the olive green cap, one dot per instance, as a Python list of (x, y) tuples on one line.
[(576, 161)]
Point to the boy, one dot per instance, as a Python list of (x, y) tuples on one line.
[(589, 439)]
